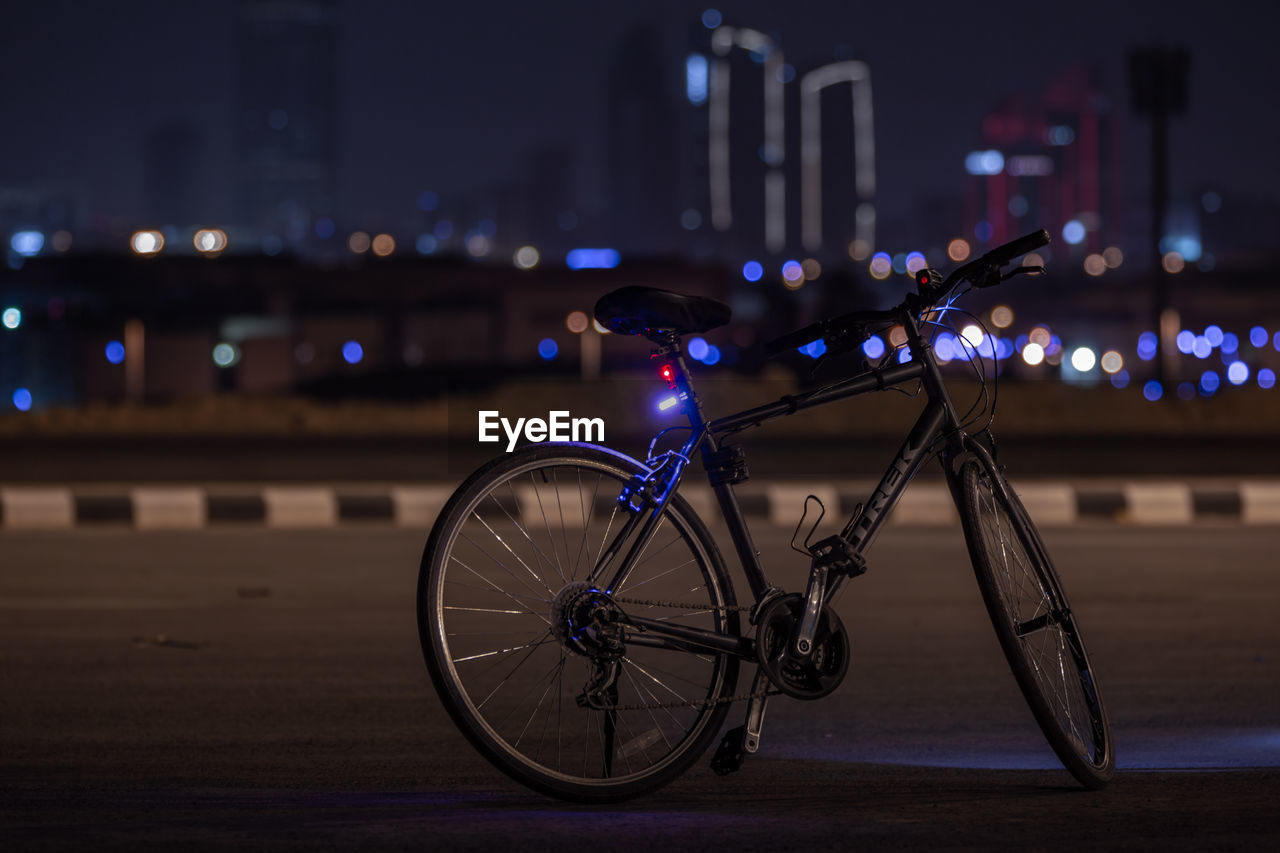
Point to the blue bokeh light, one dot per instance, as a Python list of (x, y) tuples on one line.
[(27, 243), (695, 79), (1209, 382), (548, 348), (1238, 373), (115, 352), (712, 356), (1266, 378), (426, 244), (1230, 343), (1073, 232), (873, 347), (1258, 336), (352, 352), (1120, 378), (697, 348), (1186, 340), (1214, 335), (1201, 348), (324, 228), (711, 18), (22, 400), (1147, 343), (592, 259), (1152, 390), (752, 270), (1186, 391)]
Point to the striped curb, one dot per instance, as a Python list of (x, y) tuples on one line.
[(1051, 504)]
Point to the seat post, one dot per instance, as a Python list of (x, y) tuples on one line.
[(671, 352)]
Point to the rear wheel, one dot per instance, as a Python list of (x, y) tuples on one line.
[(504, 590), (1037, 630)]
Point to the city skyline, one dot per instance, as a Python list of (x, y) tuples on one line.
[(461, 112)]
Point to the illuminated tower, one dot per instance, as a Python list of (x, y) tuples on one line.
[(287, 129), (1047, 161)]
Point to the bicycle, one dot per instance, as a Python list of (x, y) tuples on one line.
[(598, 665)]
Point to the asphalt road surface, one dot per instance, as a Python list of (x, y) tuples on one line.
[(257, 689)]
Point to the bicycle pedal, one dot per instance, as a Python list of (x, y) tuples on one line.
[(730, 754)]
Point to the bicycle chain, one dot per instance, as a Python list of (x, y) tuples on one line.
[(689, 703)]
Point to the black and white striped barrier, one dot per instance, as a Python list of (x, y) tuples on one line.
[(1052, 504)]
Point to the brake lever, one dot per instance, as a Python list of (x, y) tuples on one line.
[(1027, 270)]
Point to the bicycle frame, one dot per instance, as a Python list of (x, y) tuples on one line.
[(939, 419)]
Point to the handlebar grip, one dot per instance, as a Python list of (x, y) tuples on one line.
[(794, 340), (1001, 255)]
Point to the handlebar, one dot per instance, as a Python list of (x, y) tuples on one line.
[(983, 272)]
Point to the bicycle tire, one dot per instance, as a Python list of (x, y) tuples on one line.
[(1035, 625), (580, 754)]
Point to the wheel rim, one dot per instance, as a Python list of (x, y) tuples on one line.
[(1043, 629), (511, 553)]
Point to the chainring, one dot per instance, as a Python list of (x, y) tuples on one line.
[(810, 677)]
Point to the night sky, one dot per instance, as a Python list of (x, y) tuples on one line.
[(449, 97)]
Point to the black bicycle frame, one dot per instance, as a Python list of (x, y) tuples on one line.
[(939, 419)]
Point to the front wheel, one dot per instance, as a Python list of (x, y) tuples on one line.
[(1036, 627), (592, 713)]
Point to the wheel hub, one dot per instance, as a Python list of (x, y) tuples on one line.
[(587, 621)]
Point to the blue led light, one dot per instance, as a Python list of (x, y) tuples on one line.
[(115, 352), (1230, 343), (1258, 336), (1004, 348), (1201, 348), (548, 348), (873, 347), (1209, 382), (752, 270), (668, 403), (592, 259), (814, 349), (1238, 373), (1152, 390), (1266, 378), (792, 271), (712, 356), (352, 352), (22, 400), (1186, 340), (697, 348), (1214, 335)]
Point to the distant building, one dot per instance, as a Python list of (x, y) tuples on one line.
[(1048, 160), (172, 174), (643, 149), (287, 129)]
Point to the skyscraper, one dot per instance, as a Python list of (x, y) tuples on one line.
[(287, 130)]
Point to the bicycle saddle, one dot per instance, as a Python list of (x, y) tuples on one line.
[(645, 310)]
